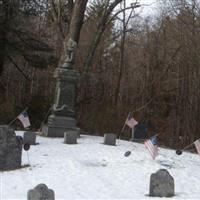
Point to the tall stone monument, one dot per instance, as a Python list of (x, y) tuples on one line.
[(62, 117)]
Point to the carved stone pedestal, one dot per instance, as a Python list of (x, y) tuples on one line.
[(62, 118), (57, 125)]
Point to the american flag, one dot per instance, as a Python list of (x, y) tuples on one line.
[(23, 117), (197, 145), (130, 121), (152, 145)]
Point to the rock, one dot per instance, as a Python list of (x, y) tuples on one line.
[(29, 138), (161, 184), (70, 137), (41, 192), (110, 139), (10, 149)]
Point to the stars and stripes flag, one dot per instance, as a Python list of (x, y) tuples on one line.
[(130, 121), (23, 117), (152, 145), (197, 145)]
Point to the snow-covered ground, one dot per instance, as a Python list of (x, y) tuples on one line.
[(91, 170)]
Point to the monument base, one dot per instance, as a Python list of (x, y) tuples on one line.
[(56, 126)]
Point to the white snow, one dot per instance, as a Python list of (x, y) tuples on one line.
[(92, 170)]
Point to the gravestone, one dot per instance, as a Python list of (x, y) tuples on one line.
[(161, 184), (10, 149), (41, 192), (140, 131), (110, 139), (29, 137), (70, 137), (62, 116)]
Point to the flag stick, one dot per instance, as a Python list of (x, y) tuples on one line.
[(13, 121), (44, 119), (179, 152), (118, 136), (188, 146), (17, 117), (183, 149), (125, 123), (28, 158), (155, 135), (133, 133)]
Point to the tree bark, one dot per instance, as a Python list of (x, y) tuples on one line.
[(76, 20), (3, 29)]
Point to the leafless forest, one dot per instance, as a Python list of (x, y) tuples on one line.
[(149, 66)]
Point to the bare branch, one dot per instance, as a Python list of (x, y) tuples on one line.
[(122, 10), (18, 68)]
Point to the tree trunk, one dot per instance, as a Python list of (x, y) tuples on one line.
[(3, 29), (103, 22), (76, 20)]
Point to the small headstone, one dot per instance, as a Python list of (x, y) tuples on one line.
[(161, 184), (10, 149), (140, 131), (110, 139), (29, 137), (70, 137), (41, 192)]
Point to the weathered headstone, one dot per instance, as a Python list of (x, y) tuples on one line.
[(41, 192), (29, 137), (110, 139), (161, 184), (139, 132), (70, 137), (10, 149)]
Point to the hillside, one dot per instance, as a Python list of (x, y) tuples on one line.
[(91, 170)]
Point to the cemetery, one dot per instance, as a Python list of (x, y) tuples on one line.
[(103, 126), (90, 169)]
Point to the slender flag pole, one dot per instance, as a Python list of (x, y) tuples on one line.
[(17, 117), (179, 151), (133, 133), (118, 136), (125, 123), (45, 118)]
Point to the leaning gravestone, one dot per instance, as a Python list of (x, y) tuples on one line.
[(10, 149), (161, 184), (41, 192), (29, 137), (70, 137), (110, 139)]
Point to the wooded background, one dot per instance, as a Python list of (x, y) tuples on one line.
[(147, 65)]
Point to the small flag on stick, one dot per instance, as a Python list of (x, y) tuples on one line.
[(131, 122), (23, 117), (152, 145), (197, 145)]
